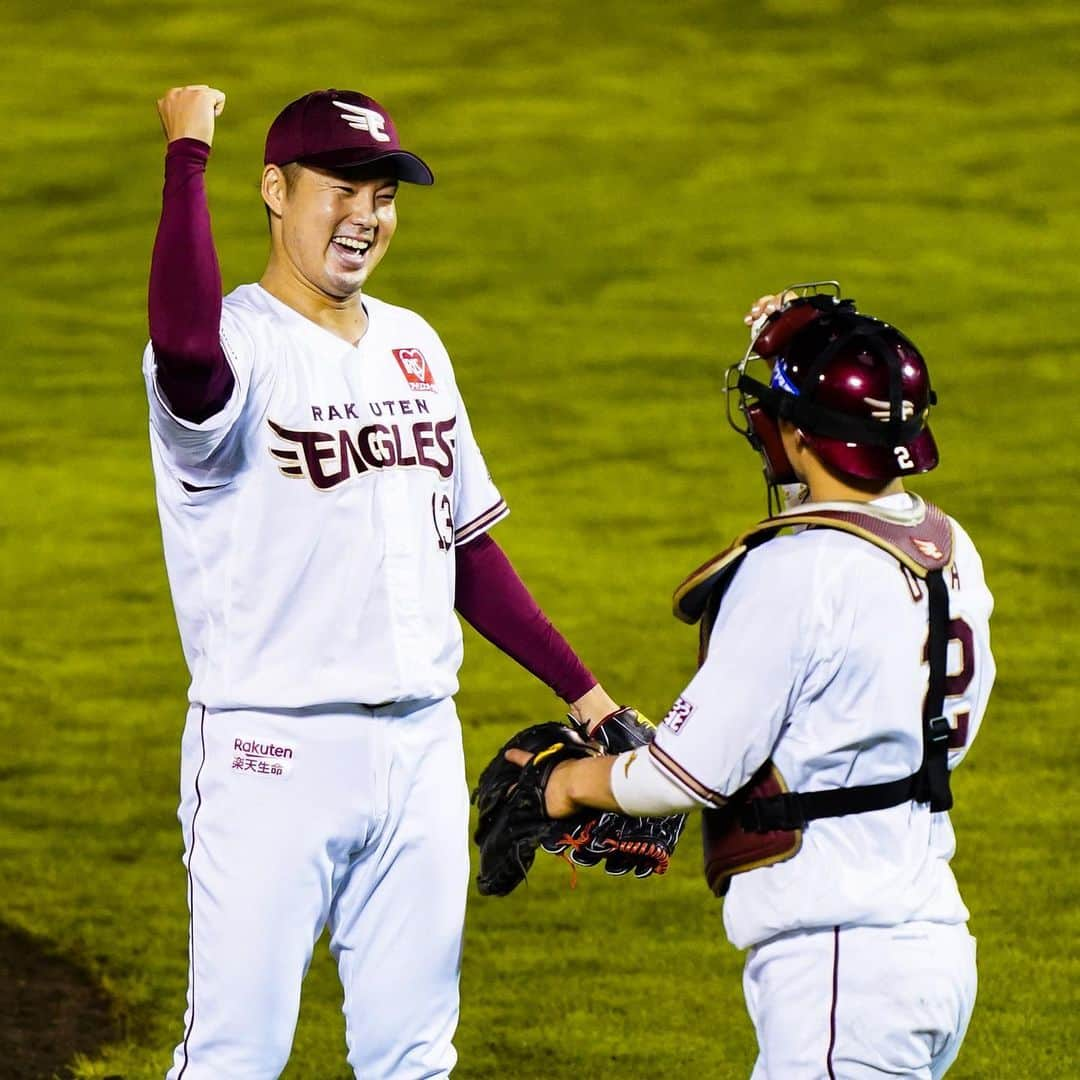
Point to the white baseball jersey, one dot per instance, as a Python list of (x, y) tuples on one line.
[(817, 659), (309, 526)]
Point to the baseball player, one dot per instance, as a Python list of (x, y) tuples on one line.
[(324, 508), (845, 668)]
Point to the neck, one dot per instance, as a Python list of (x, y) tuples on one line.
[(345, 317), (829, 487)]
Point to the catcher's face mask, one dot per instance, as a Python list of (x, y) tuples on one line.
[(751, 416)]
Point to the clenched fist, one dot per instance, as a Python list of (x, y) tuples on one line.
[(188, 112)]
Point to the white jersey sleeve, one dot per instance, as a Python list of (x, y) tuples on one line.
[(204, 454), (728, 718), (477, 502)]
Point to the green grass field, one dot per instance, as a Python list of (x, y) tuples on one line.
[(615, 182)]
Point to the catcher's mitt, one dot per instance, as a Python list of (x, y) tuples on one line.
[(622, 842), (513, 818)]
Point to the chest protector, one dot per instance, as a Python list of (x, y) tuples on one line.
[(763, 822)]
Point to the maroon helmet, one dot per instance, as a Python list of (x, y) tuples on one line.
[(856, 388)]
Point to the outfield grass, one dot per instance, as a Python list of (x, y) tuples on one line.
[(615, 182)]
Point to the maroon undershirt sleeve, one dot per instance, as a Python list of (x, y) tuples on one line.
[(185, 291), (494, 601)]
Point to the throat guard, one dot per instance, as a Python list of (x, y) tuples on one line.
[(762, 823)]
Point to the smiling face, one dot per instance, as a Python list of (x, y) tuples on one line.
[(329, 229)]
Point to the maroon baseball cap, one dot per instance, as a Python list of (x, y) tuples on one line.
[(339, 129)]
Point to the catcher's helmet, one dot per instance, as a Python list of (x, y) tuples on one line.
[(857, 389)]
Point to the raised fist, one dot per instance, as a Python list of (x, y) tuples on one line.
[(188, 112)]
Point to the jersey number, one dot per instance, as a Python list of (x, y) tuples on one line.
[(957, 683), (443, 517)]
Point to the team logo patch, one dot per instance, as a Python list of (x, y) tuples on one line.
[(415, 368), (361, 119), (679, 713), (263, 758), (928, 548)]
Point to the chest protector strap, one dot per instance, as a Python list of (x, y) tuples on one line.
[(762, 823)]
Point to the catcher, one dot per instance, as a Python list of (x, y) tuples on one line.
[(845, 667)]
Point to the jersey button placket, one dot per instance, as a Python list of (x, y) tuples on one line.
[(392, 498)]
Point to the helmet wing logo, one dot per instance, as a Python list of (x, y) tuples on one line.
[(879, 409), (361, 119)]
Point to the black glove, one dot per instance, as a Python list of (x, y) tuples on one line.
[(513, 817), (623, 842)]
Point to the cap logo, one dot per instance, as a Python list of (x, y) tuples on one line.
[(361, 119), (879, 409)]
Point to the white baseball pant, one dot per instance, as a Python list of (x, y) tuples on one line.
[(861, 1002), (350, 817)]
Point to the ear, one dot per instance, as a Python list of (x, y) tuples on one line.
[(274, 188), (793, 439)]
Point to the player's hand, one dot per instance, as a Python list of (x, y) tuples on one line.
[(557, 800), (189, 112), (593, 707), (765, 305)]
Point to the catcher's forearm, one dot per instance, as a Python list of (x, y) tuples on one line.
[(580, 785)]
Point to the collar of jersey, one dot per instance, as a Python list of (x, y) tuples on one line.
[(903, 508), (313, 329)]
